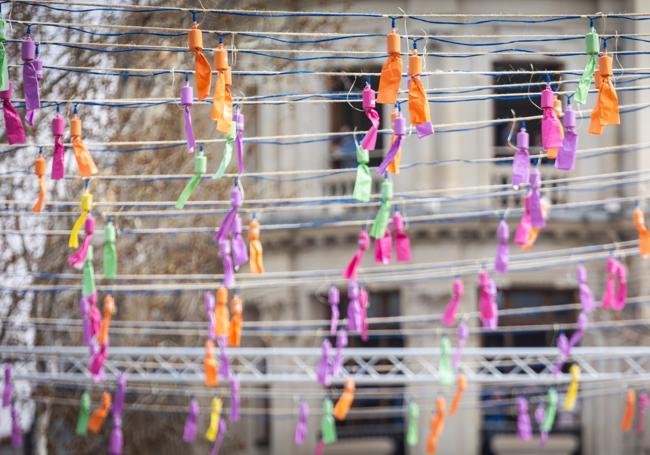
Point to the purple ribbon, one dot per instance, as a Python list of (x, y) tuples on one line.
[(323, 372), (16, 433), (239, 120), (536, 212), (235, 399), (394, 148), (363, 303), (97, 360), (189, 432), (566, 156), (301, 426), (524, 427), (586, 298), (7, 391), (226, 228), (354, 308), (208, 304), (501, 258), (239, 248), (333, 298), (189, 132), (341, 343), (84, 304), (521, 160), (32, 69), (13, 122), (116, 442), (487, 301), (424, 129), (228, 269), (540, 414), (221, 435), (463, 335)]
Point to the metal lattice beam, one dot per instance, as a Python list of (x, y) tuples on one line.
[(366, 365)]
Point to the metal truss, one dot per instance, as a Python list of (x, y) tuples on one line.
[(365, 365)]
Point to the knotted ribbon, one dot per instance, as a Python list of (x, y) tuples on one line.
[(383, 248), (502, 256), (333, 298), (227, 153), (255, 251), (605, 112), (354, 307), (566, 157), (236, 321), (301, 426), (86, 206), (419, 112), (327, 423), (521, 159), (614, 296), (78, 258), (630, 407), (324, 368), (187, 99), (363, 180), (487, 301), (524, 427), (369, 141), (463, 335), (200, 167), (39, 171), (58, 131), (537, 219), (110, 250), (350, 272), (572, 392), (592, 42), (380, 224), (85, 162), (13, 122), (32, 66), (215, 417), (644, 234), (210, 366), (586, 297), (344, 403), (222, 98), (436, 425), (461, 385), (449, 316), (445, 370), (99, 415), (402, 241), (191, 421), (391, 72), (84, 414), (399, 130), (341, 343), (4, 66), (202, 70), (116, 442)]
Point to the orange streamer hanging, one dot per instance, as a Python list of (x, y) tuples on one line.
[(391, 72), (109, 309), (461, 385), (419, 112), (99, 415), (236, 309), (222, 98), (39, 170), (606, 110), (221, 316), (210, 366), (255, 252), (630, 408), (345, 401), (644, 235), (85, 161), (393, 167), (437, 424), (202, 70)]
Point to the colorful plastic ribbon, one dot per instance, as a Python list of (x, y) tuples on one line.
[(369, 140), (341, 343), (521, 158), (363, 303), (85, 162), (208, 305), (413, 429), (200, 167), (99, 415), (221, 435), (551, 410), (78, 258), (222, 99), (436, 426), (227, 152), (191, 421), (187, 99), (239, 248), (240, 122), (378, 229), (116, 443), (393, 167), (644, 401), (363, 180), (210, 367), (402, 241), (354, 307), (344, 403), (324, 368), (614, 296), (13, 123), (98, 358), (16, 431), (384, 248), (502, 256), (86, 206), (445, 369), (461, 385), (58, 131), (572, 392), (4, 65), (300, 434), (391, 72), (565, 344), (7, 390), (228, 227), (235, 399), (566, 157), (255, 251), (333, 298), (644, 234), (537, 218), (221, 314), (449, 316), (540, 413), (327, 423), (32, 66), (202, 70), (630, 408), (236, 321), (351, 270), (463, 335), (551, 153), (524, 427), (586, 297), (84, 414), (215, 417), (592, 42), (419, 112), (605, 112), (399, 130), (487, 301), (110, 250), (39, 171)]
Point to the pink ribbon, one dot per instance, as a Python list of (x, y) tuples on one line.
[(535, 204), (13, 122), (566, 156), (463, 335), (487, 301), (324, 369), (586, 298), (239, 120), (352, 268), (369, 141), (97, 360), (521, 159), (383, 248), (301, 426), (354, 307), (32, 73), (501, 258), (333, 298), (449, 316), (551, 133), (78, 258), (363, 302), (524, 228), (643, 409), (58, 130), (402, 241), (610, 288)]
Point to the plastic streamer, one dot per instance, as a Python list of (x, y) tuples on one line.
[(327, 423), (255, 251), (39, 170), (228, 147), (78, 258), (502, 255), (13, 123), (333, 298), (222, 99), (521, 159), (200, 167), (229, 227), (393, 167), (413, 429), (487, 301), (187, 99), (524, 427), (344, 403), (391, 72), (644, 401), (191, 421), (378, 229), (463, 335), (644, 234), (572, 392), (323, 373), (110, 250), (236, 321), (235, 399), (549, 413), (99, 415), (384, 248), (98, 358), (363, 180), (210, 367), (32, 72), (58, 131), (116, 442), (85, 162), (364, 302), (614, 296), (449, 316), (215, 417), (341, 343), (461, 385), (445, 369), (419, 112), (354, 307), (202, 70), (351, 270), (399, 130), (221, 435), (566, 157), (4, 66), (16, 431), (84, 414), (606, 110), (565, 344), (592, 44), (300, 434), (557, 109), (586, 297), (7, 390), (537, 218), (628, 416), (240, 121), (436, 425), (369, 141), (402, 241)]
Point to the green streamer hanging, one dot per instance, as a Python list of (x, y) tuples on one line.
[(227, 152), (110, 251), (592, 42), (4, 67), (413, 431), (327, 424), (378, 228), (445, 368), (200, 166), (363, 181), (551, 408), (88, 285), (84, 415)]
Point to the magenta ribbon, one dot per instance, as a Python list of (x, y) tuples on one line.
[(463, 335), (323, 372), (621, 295), (208, 304), (116, 442), (189, 431), (565, 344), (610, 288), (228, 268), (32, 69), (13, 122), (424, 129), (392, 152), (341, 343), (16, 432), (300, 434), (402, 241), (383, 248), (334, 298), (643, 409), (487, 301), (350, 272), (369, 141), (7, 391), (551, 133), (524, 427), (221, 435), (449, 316), (97, 360), (354, 308), (239, 248), (586, 298), (363, 302), (524, 228), (238, 118), (536, 213), (78, 258), (58, 165), (501, 258), (566, 156), (227, 225), (235, 399), (521, 159)]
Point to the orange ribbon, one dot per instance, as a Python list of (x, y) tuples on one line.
[(222, 98), (202, 70), (393, 167), (39, 170), (109, 308), (419, 112), (210, 366), (99, 415), (630, 408), (437, 424), (644, 235), (221, 316), (345, 401), (461, 384), (255, 247), (391, 72), (85, 162), (236, 308), (606, 110)]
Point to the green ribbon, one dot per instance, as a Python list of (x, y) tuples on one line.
[(378, 228), (4, 68), (200, 166), (413, 431), (84, 415), (363, 182), (593, 47), (88, 287), (445, 369), (110, 251), (327, 424), (551, 408), (227, 152)]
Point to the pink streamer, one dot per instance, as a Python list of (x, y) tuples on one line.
[(449, 316), (643, 409), (97, 360), (524, 228), (586, 298), (521, 160), (463, 335), (58, 165), (369, 141), (78, 258), (383, 248), (551, 133), (301, 426), (13, 122), (621, 295), (354, 307), (341, 343), (363, 302), (402, 241), (501, 258), (610, 292), (487, 301), (352, 268)]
